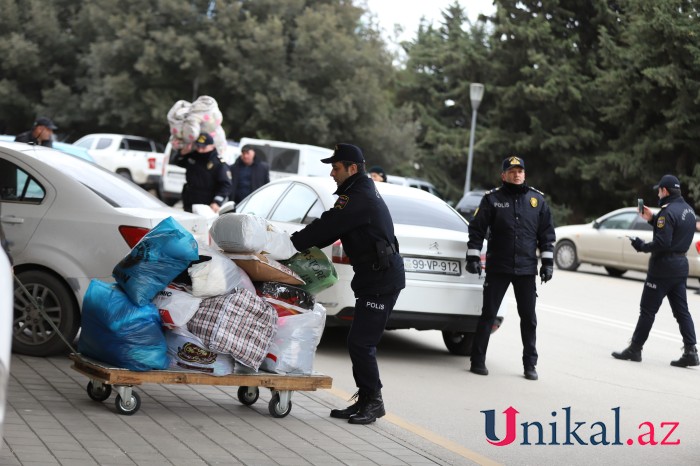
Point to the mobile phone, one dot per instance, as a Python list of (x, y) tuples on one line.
[(640, 205)]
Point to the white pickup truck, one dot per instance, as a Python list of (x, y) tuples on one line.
[(136, 158)]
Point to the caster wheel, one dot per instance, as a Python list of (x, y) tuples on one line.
[(130, 406), (99, 393), (245, 397), (275, 408)]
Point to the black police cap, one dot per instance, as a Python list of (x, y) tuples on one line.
[(347, 153), (668, 181)]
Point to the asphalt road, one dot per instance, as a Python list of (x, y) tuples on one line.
[(626, 412)]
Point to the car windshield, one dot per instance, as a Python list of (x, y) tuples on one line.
[(113, 188), (422, 212)]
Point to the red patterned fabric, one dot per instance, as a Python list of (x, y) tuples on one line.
[(240, 323)]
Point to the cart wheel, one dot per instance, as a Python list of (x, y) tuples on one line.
[(99, 393), (247, 398), (275, 408), (129, 407)]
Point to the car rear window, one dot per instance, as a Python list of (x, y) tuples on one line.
[(422, 212), (113, 188)]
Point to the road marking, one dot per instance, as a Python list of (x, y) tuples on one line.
[(605, 321), (427, 434)]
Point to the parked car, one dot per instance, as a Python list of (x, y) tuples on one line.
[(62, 146), (68, 221), (605, 242), (414, 183), (469, 202), (439, 293), (136, 158)]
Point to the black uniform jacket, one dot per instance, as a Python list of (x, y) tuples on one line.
[(208, 178), (259, 175), (519, 222), (674, 228), (360, 219), (29, 138)]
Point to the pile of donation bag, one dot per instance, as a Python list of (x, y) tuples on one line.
[(242, 304)]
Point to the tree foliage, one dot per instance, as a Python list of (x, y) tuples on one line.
[(601, 97)]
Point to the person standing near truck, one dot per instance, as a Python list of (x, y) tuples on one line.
[(248, 173), (208, 177)]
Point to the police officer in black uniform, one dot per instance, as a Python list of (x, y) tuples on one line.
[(667, 274), (208, 177), (519, 222), (361, 220), (41, 133)]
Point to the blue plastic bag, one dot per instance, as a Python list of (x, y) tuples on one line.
[(119, 333), (161, 255)]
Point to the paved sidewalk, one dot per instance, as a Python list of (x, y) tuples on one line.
[(50, 420)]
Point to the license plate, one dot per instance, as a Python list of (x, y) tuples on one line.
[(440, 266)]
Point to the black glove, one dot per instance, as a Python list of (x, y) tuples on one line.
[(546, 270), (474, 264), (637, 243)]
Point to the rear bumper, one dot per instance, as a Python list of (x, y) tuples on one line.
[(416, 320)]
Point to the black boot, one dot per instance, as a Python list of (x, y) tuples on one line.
[(371, 409), (632, 353), (689, 357), (479, 368), (531, 373), (350, 410)]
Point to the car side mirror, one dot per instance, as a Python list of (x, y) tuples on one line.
[(227, 207)]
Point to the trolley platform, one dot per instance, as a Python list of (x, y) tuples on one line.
[(103, 378)]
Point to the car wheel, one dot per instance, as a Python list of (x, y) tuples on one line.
[(565, 255), (126, 174), (459, 343), (31, 333), (613, 272)]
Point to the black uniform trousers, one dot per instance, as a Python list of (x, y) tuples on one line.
[(368, 324), (655, 289), (495, 287)]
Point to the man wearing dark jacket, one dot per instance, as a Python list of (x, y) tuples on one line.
[(248, 174), (674, 227), (41, 133), (361, 220), (208, 177), (520, 223)]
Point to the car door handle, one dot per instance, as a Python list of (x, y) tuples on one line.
[(11, 219)]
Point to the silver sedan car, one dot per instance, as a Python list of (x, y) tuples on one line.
[(439, 293), (605, 241)]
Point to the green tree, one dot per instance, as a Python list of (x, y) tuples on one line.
[(650, 98)]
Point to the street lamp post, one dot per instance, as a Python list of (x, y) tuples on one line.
[(476, 93)]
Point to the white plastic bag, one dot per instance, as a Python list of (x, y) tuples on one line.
[(293, 348), (217, 276), (240, 233), (205, 211), (278, 244), (186, 351), (176, 306)]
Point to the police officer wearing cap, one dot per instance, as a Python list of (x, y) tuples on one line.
[(667, 274), (520, 222), (208, 178), (361, 220), (41, 134)]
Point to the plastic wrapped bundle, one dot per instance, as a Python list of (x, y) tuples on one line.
[(117, 332), (286, 299)]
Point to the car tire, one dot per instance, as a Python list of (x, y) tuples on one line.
[(565, 255), (125, 173), (458, 343), (31, 333), (613, 272)]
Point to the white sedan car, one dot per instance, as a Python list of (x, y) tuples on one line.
[(68, 221), (605, 242), (439, 293)]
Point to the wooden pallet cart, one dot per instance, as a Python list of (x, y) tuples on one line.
[(103, 378)]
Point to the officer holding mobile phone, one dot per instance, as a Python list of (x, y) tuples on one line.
[(674, 227)]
